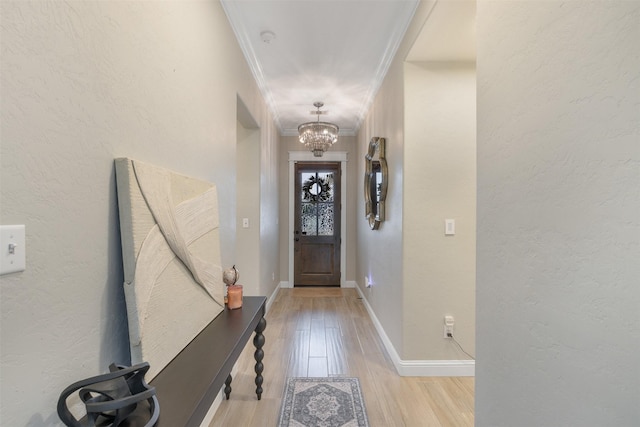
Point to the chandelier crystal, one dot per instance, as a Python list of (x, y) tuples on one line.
[(318, 136)]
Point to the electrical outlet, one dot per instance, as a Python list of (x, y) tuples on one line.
[(448, 326), (367, 283)]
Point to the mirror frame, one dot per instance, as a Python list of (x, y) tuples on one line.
[(376, 147)]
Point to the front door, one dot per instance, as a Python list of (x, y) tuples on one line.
[(317, 224)]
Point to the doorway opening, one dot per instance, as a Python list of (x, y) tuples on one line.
[(340, 159), (317, 224)]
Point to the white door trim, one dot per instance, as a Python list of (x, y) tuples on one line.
[(329, 156)]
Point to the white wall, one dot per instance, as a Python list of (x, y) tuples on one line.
[(269, 240), (558, 277), (426, 112), (248, 206), (83, 83), (439, 183), (380, 255)]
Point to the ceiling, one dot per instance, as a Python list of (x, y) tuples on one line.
[(338, 51)]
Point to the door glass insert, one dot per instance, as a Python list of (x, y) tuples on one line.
[(325, 219), (309, 219), (317, 198)]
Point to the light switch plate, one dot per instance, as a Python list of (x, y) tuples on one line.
[(12, 249), (449, 227)]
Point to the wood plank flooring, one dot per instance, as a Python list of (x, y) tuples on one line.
[(319, 332)]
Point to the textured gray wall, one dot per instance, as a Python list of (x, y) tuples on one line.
[(83, 83), (558, 273)]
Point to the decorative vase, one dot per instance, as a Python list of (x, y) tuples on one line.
[(234, 296)]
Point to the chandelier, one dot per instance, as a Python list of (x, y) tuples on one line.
[(318, 136)]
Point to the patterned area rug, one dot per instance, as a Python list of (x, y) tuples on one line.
[(323, 402)]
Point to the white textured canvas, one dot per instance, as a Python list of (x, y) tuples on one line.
[(171, 252)]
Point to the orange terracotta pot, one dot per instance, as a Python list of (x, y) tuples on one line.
[(234, 296)]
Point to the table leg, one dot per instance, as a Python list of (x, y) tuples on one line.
[(258, 342), (227, 386)]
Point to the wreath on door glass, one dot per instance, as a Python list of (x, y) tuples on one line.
[(316, 189)]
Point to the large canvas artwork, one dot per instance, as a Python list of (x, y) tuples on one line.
[(171, 254)]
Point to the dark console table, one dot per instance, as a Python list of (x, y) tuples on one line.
[(188, 385)]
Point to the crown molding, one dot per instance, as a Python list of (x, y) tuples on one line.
[(390, 52), (230, 9)]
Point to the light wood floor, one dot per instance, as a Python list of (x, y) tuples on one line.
[(318, 332)]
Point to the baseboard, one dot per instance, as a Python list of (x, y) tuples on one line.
[(395, 358), (347, 284), (206, 421), (437, 368), (419, 368), (272, 298)]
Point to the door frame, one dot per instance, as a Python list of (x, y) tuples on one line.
[(329, 156)]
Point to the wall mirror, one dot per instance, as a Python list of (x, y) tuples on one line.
[(376, 180)]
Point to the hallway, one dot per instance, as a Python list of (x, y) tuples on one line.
[(327, 332)]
